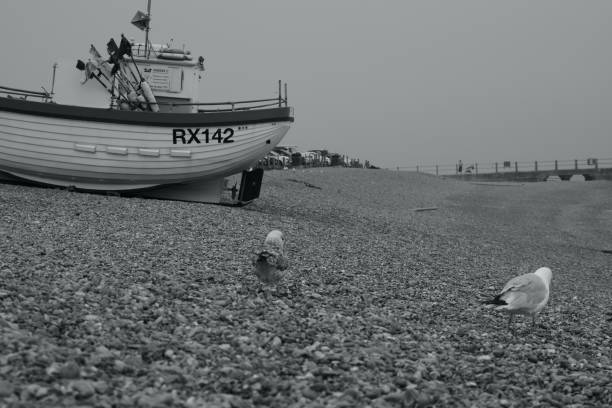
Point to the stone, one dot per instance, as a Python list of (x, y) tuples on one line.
[(83, 388), (6, 389)]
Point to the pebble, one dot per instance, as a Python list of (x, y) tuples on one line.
[(395, 397), (69, 370), (83, 388), (33, 391), (120, 366), (102, 352), (276, 342), (156, 401), (310, 393), (319, 356), (6, 389)]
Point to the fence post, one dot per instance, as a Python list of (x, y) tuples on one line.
[(556, 165), (596, 164), (516, 167), (495, 167), (575, 164), (476, 168), (436, 169), (536, 165)]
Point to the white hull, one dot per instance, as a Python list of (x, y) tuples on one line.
[(109, 156)]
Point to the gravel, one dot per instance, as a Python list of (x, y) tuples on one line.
[(118, 302)]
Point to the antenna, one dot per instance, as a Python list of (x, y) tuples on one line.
[(53, 79), (147, 28)]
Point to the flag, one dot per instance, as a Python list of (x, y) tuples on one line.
[(80, 65), (141, 20), (113, 50), (102, 65), (90, 69), (125, 48), (95, 54)]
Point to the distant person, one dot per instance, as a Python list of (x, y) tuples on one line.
[(234, 190), (460, 167)]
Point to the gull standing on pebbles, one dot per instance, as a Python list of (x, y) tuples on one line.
[(526, 294), (271, 260)]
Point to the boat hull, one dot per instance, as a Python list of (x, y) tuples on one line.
[(108, 150)]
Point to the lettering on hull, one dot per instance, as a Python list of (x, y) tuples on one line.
[(198, 135)]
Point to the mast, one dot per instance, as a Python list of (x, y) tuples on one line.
[(53, 79), (147, 29)]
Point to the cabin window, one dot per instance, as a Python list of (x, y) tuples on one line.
[(175, 82)]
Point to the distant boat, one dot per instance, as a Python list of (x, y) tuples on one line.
[(146, 131)]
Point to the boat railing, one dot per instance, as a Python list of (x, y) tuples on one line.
[(25, 94), (236, 105), (243, 105), (203, 107)]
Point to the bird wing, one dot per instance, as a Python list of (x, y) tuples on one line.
[(520, 283), (266, 267), (282, 262), (525, 292)]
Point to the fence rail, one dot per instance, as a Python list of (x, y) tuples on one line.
[(590, 164)]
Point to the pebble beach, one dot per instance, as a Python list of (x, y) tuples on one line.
[(109, 301)]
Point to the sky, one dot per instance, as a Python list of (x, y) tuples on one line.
[(395, 82)]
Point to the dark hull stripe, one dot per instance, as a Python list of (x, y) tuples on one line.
[(236, 118)]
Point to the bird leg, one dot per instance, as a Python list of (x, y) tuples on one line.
[(540, 325), (266, 293), (261, 292)]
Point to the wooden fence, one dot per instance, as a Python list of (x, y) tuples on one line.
[(508, 167)]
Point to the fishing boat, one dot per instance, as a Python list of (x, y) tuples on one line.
[(132, 123)]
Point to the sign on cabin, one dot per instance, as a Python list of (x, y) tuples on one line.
[(165, 79)]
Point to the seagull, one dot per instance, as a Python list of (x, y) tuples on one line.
[(525, 294), (271, 260)]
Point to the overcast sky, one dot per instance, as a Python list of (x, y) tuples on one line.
[(398, 83)]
